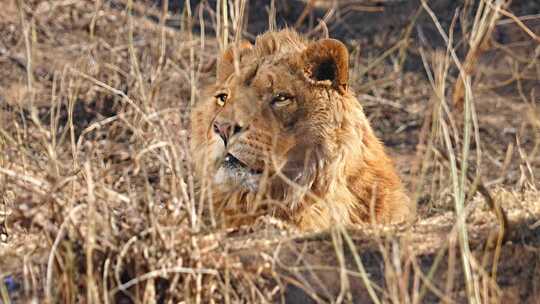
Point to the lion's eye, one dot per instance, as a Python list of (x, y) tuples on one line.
[(221, 99), (281, 99)]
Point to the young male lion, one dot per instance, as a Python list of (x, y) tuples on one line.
[(280, 133)]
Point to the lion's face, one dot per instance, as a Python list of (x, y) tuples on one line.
[(255, 115), (274, 114)]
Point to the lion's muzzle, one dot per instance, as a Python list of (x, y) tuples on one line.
[(235, 173)]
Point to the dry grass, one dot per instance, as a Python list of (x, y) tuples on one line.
[(98, 196)]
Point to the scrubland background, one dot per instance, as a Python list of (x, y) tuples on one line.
[(97, 196)]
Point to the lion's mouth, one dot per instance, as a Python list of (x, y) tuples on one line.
[(231, 162), (235, 172)]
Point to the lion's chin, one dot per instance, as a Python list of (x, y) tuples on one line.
[(235, 174)]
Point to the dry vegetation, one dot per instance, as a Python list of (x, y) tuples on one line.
[(97, 197)]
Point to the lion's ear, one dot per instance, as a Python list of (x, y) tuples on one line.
[(327, 59), (225, 66)]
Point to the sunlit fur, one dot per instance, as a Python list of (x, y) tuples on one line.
[(321, 163)]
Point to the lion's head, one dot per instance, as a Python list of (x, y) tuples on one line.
[(280, 120)]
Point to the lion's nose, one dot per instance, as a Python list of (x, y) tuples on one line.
[(226, 130)]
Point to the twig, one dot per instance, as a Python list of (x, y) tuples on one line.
[(519, 23), (496, 208), (305, 13)]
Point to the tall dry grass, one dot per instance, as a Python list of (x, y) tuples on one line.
[(100, 204)]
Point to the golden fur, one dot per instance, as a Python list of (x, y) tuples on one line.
[(280, 133)]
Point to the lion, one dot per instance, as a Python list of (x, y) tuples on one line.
[(281, 134)]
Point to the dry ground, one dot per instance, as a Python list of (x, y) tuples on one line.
[(97, 196)]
